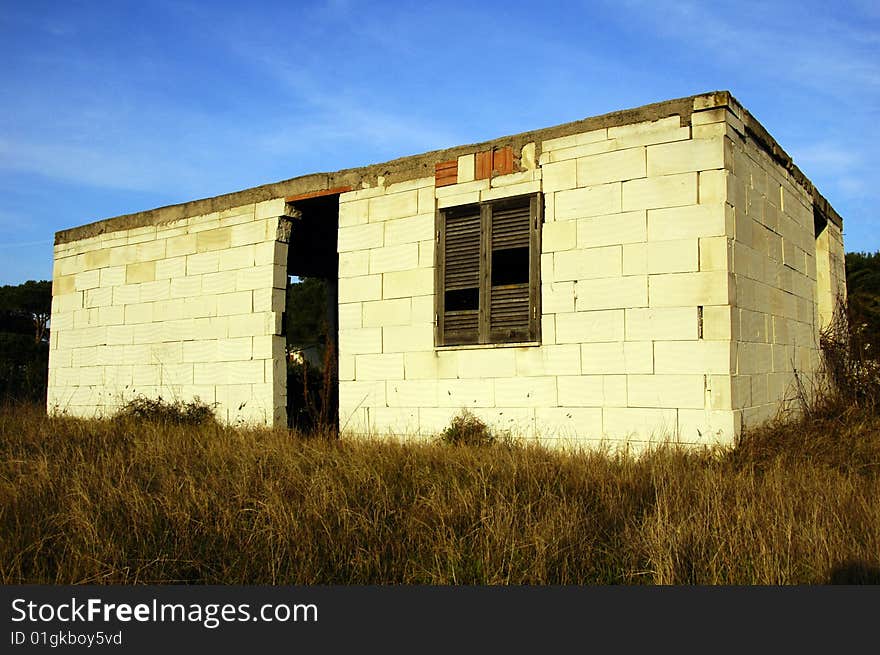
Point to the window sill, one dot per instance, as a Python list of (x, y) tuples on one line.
[(485, 346)]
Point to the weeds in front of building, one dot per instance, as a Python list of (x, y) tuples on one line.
[(152, 500)]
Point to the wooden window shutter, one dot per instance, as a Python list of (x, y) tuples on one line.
[(512, 274), (459, 275), (488, 267)]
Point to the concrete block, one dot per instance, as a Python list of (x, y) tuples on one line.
[(410, 230), (485, 363), (350, 315), (611, 293), (616, 166), (97, 258), (239, 302), (526, 392), (509, 186), (217, 239), (716, 253), (411, 393), (99, 297), (590, 201), (266, 276), (657, 192), (581, 390), (705, 357), (120, 335), (357, 341), (617, 358), (548, 328), (407, 338), (361, 288), (648, 132), (354, 212), (394, 205), (427, 203), (635, 259), (423, 309), (253, 325), (87, 280), (248, 233), (237, 258), (426, 254), (672, 391), (686, 289), (185, 244), (557, 297), (140, 272), (138, 313), (559, 176), (381, 313), (394, 258), (233, 350), (686, 156), (590, 326), (354, 263), (401, 284), (662, 324), (360, 237), (629, 227), (466, 168), (170, 268), (150, 250), (687, 222), (760, 395), (184, 287), (548, 360), (245, 372), (424, 365), (712, 186), (574, 140), (269, 300), (457, 199), (640, 424), (605, 262), (707, 427), (269, 208), (574, 152), (217, 283), (558, 236), (567, 425), (679, 255), (205, 262), (379, 367), (205, 350), (63, 284)]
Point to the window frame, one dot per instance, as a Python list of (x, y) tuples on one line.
[(486, 335)]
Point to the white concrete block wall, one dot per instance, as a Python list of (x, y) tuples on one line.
[(636, 297), (179, 310), (786, 280)]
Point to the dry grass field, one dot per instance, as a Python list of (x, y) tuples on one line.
[(134, 500)]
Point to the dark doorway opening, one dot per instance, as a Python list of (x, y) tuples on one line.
[(311, 320)]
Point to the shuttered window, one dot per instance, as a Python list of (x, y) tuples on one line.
[(487, 273)]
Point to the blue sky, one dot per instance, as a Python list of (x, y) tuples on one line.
[(108, 108)]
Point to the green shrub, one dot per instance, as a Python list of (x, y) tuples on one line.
[(467, 430), (157, 410)]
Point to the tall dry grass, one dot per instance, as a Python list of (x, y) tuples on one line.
[(134, 501)]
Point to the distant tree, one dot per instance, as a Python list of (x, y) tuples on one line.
[(306, 312), (24, 339), (863, 293), (30, 303)]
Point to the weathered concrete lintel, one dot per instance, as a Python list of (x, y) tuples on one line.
[(418, 166)]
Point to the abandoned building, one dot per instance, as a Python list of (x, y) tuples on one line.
[(659, 272)]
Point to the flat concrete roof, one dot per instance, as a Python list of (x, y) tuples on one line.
[(418, 166)]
